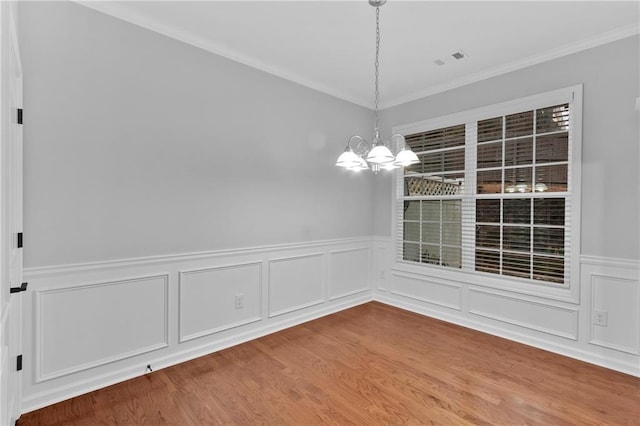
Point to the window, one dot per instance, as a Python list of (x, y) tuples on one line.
[(493, 191), (432, 209)]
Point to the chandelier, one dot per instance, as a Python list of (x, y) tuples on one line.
[(375, 155)]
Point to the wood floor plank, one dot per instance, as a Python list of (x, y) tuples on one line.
[(369, 365)]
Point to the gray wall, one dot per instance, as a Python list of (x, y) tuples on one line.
[(610, 178), (140, 145), (127, 134)]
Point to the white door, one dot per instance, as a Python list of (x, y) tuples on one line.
[(10, 216)]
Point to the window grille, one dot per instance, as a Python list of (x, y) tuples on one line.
[(493, 193)]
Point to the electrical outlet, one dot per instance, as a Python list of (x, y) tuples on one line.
[(239, 302), (382, 275), (600, 318)]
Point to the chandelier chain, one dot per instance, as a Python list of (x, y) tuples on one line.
[(376, 155), (377, 63)]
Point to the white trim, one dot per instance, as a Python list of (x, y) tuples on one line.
[(330, 253), (631, 349), (280, 259), (569, 49), (48, 271), (494, 281), (350, 293), (569, 291), (186, 338), (160, 361), (572, 351), (118, 11), (573, 335), (234, 265), (181, 348), (39, 395), (347, 250), (272, 314), (633, 264), (295, 308), (182, 338), (380, 271), (39, 356), (436, 281), (540, 100)]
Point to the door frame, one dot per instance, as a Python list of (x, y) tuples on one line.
[(11, 213)]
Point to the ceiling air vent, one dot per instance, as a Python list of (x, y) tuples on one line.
[(458, 55)]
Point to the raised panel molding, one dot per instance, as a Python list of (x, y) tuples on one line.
[(548, 318), (350, 272), (619, 298), (349, 267), (295, 282), (620, 265), (91, 325), (428, 290), (49, 272), (169, 309), (207, 299), (612, 286), (381, 272)]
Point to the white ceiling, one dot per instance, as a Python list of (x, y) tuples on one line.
[(330, 45)]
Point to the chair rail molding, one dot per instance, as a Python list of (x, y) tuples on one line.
[(178, 307), (562, 325), (95, 324)]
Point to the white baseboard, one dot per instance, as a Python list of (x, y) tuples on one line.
[(46, 398), (632, 368), (279, 294), (88, 326)]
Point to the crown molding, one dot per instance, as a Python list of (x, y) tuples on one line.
[(117, 10), (568, 49)]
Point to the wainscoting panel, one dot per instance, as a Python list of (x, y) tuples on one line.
[(87, 326), (548, 318), (615, 294), (295, 283), (208, 299), (429, 290), (381, 270), (618, 300), (350, 272), (91, 325)]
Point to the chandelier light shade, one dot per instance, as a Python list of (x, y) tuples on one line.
[(376, 155), (379, 154)]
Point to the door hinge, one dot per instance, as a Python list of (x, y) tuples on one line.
[(20, 289), (19, 363), (19, 115), (19, 239)]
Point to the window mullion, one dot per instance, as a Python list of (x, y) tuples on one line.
[(503, 186), (521, 143), (533, 185)]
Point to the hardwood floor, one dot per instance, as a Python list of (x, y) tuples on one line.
[(369, 365)]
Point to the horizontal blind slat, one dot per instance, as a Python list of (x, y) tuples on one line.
[(510, 179)]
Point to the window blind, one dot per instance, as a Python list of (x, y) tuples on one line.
[(492, 194)]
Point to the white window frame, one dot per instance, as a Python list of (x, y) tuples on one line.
[(569, 291)]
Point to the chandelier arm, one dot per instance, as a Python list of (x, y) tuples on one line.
[(359, 145), (376, 155)]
